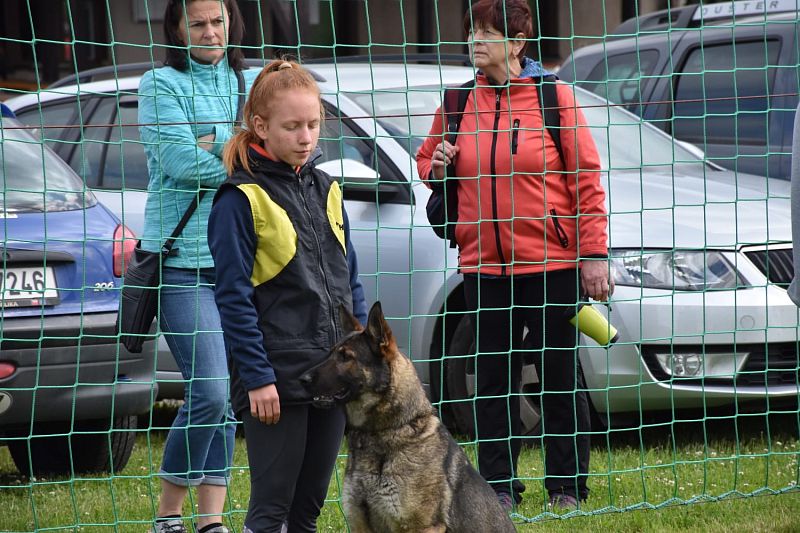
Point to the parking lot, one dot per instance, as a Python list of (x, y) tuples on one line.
[(696, 401)]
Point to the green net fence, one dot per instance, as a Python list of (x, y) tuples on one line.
[(691, 108)]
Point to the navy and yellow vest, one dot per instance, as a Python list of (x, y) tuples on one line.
[(300, 273)]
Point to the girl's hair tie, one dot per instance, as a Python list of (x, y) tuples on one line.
[(284, 65)]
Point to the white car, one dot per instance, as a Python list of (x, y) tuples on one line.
[(701, 256)]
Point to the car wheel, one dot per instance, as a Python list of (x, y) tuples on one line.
[(460, 378), (56, 449)]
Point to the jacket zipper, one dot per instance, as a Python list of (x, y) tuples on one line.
[(493, 170), (514, 136), (226, 98), (560, 233), (331, 310)]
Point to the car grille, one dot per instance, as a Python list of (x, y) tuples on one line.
[(777, 265), (778, 365)]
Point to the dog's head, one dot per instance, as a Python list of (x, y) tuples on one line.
[(359, 363)]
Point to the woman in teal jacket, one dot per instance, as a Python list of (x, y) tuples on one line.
[(186, 111)]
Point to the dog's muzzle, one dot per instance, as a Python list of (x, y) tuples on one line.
[(327, 402)]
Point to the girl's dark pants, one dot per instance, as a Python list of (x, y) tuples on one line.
[(501, 307), (291, 463)]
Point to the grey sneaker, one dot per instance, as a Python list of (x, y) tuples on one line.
[(563, 502), (218, 529), (174, 525)]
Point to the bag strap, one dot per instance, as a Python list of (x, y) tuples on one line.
[(169, 243), (167, 247)]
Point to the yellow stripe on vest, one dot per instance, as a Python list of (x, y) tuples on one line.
[(277, 238), (335, 216)]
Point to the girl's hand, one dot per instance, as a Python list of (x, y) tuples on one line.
[(206, 142), (265, 404), (444, 154)]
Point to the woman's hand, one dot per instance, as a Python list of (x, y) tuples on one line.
[(444, 154), (594, 279), (206, 142), (265, 404)]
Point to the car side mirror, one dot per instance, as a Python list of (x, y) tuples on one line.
[(358, 181)]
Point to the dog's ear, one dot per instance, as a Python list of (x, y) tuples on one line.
[(376, 322), (349, 322), (377, 327)]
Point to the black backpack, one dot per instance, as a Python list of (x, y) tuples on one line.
[(442, 207)]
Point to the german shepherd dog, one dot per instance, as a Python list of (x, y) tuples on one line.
[(404, 470)]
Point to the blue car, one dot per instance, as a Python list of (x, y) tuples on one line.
[(69, 394)]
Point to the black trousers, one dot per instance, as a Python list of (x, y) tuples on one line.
[(291, 463), (501, 307)]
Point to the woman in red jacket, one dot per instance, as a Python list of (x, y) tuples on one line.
[(532, 237)]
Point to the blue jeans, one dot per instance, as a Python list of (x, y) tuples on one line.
[(199, 447)]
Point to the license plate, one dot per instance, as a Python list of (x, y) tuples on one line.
[(28, 286)]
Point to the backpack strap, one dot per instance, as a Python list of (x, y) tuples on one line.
[(455, 101), (548, 98), (453, 104)]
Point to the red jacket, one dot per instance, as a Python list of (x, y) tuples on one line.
[(519, 212)]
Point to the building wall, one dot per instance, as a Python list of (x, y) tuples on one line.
[(588, 22), (389, 26), (584, 22), (324, 27), (134, 39)]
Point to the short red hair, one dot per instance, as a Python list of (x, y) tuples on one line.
[(509, 17)]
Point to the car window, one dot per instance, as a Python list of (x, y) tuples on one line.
[(342, 141), (721, 93), (111, 156), (619, 78), (405, 114), (338, 140), (60, 114), (624, 141), (87, 157), (125, 164), (35, 178)]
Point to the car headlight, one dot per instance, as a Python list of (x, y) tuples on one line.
[(679, 270)]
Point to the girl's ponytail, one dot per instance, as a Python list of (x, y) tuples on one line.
[(280, 75), (235, 152)]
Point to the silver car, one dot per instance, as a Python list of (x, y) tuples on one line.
[(701, 256)]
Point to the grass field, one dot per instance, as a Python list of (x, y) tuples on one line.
[(728, 470)]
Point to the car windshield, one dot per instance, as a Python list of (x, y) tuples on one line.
[(401, 111), (634, 143), (34, 178)]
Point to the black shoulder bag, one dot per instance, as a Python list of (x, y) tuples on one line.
[(442, 206), (138, 304)]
